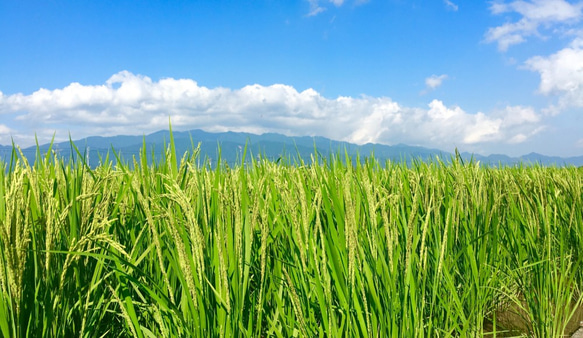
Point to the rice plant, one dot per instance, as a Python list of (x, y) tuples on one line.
[(333, 247)]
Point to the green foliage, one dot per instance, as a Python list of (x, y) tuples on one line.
[(174, 249)]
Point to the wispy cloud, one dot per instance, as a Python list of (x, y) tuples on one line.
[(315, 8), (534, 14), (319, 6), (451, 5), (129, 103)]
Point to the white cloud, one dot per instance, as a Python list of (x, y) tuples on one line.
[(534, 14), (518, 138), (561, 74), (510, 33), (579, 143), (451, 5), (458, 126), (317, 7), (135, 104), (540, 10), (5, 132), (433, 82), (518, 115)]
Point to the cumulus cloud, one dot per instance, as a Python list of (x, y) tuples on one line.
[(462, 128), (451, 5), (135, 104), (435, 81), (534, 14), (561, 74)]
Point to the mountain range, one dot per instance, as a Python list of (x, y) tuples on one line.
[(272, 146)]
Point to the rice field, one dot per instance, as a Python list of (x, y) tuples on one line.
[(314, 249)]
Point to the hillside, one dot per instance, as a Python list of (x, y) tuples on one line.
[(272, 146)]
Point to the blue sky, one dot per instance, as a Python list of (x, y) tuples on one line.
[(488, 77)]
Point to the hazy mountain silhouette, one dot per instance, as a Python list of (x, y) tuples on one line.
[(272, 146)]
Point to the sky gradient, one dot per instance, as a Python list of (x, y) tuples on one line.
[(486, 77)]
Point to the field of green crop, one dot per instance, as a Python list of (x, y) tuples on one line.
[(269, 249)]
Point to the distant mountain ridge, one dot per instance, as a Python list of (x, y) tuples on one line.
[(271, 145)]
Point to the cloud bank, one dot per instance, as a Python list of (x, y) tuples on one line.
[(135, 104)]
